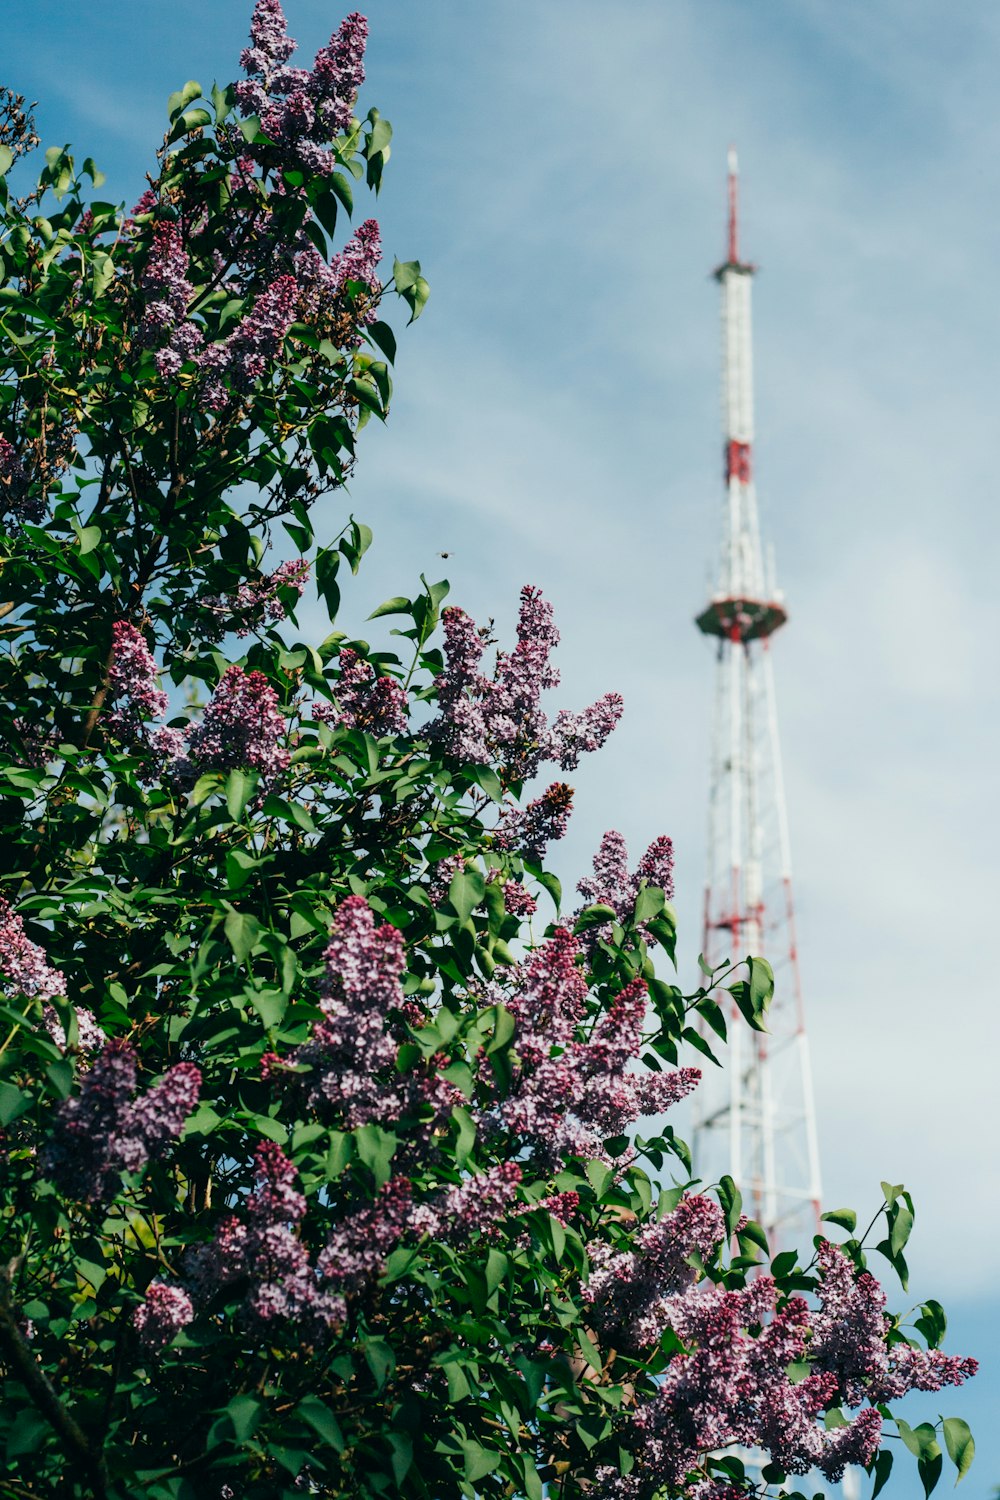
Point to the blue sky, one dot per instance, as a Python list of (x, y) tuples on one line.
[(559, 170)]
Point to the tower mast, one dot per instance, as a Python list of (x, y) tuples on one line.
[(755, 1119)]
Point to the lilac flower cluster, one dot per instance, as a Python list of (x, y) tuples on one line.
[(612, 885), (134, 683), (258, 602), (529, 830), (242, 726), (322, 285), (569, 1095), (499, 719), (300, 111), (731, 1383), (350, 1050), (89, 1036), (473, 1206), (102, 1131), (517, 901), (628, 1290), (357, 1249), (24, 969), (375, 704), (245, 356), (14, 486), (166, 1310), (263, 1249), (849, 1340), (169, 293)]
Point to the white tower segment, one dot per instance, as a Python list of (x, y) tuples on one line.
[(755, 1119)]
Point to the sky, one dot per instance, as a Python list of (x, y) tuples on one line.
[(558, 168)]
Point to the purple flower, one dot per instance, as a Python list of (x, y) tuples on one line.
[(500, 719), (357, 1249), (242, 726), (472, 1206), (376, 705), (849, 1340), (574, 735), (24, 969), (247, 355), (166, 1310), (518, 901), (612, 885), (101, 1132), (283, 1286), (570, 1094), (259, 602), (133, 680), (158, 1115), (89, 1036), (528, 831), (14, 482), (300, 110), (351, 1052), (165, 325)]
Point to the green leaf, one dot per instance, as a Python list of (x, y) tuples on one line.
[(488, 781), (344, 191), (466, 1135), (6, 160), (380, 1359), (381, 135), (12, 1103), (921, 1441), (411, 286), (902, 1224), (243, 932), (466, 891), (932, 1323), (322, 1421), (929, 1470), (891, 1192), (182, 98), (497, 1267), (191, 119), (240, 787), (649, 903), (761, 984), (755, 1233), (845, 1217), (478, 1461), (731, 1200), (89, 538), (395, 606), (960, 1444), (552, 885), (883, 1468), (244, 1412), (102, 273), (595, 916), (783, 1264), (376, 1148), (383, 337)]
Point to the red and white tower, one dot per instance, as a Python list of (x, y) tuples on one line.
[(754, 1119)]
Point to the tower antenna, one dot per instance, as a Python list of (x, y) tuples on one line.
[(755, 1119)]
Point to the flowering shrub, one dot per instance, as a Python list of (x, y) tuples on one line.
[(334, 1157)]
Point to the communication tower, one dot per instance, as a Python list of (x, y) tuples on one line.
[(755, 1118)]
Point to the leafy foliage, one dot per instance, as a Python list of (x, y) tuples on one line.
[(321, 1171)]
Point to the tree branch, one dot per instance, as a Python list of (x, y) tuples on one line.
[(23, 1363)]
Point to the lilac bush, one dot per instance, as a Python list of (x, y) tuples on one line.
[(337, 1156)]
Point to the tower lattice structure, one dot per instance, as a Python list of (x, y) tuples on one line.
[(755, 1118)]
